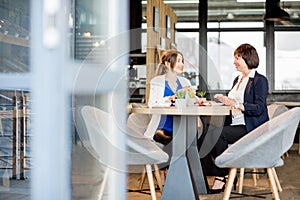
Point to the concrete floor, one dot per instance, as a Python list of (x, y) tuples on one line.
[(86, 181)]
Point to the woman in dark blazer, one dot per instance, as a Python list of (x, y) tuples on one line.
[(248, 98), (255, 105)]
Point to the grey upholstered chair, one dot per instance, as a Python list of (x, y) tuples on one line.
[(139, 124), (261, 148), (273, 111), (140, 151), (276, 109)]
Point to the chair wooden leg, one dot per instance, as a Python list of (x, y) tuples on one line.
[(151, 182), (287, 154), (241, 180), (103, 184), (299, 145), (229, 184), (273, 184), (257, 174), (157, 176), (143, 176), (254, 176), (277, 180)]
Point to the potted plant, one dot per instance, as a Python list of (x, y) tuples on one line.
[(180, 102), (191, 97), (191, 93), (201, 95), (180, 94)]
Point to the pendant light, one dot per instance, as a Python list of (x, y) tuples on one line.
[(274, 12)]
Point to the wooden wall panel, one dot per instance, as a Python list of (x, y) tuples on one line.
[(156, 39)]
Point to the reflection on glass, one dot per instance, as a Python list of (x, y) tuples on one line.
[(88, 35), (15, 142), (14, 36)]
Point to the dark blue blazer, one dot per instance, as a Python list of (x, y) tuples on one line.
[(255, 102)]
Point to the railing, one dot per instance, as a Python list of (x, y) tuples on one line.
[(20, 115)]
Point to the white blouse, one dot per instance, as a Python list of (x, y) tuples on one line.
[(237, 93)]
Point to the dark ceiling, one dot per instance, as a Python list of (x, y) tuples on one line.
[(229, 10)]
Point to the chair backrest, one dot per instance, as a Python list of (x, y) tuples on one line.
[(276, 109), (143, 123), (95, 135), (138, 122), (263, 147), (139, 150)]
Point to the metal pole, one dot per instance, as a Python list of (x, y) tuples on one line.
[(15, 144)]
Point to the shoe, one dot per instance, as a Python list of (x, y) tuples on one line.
[(218, 190)]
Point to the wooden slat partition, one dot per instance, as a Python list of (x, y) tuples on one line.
[(159, 38)]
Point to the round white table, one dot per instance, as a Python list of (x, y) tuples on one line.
[(185, 179)]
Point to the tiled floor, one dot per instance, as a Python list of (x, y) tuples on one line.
[(86, 185)]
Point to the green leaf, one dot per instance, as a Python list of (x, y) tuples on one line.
[(201, 94), (181, 94)]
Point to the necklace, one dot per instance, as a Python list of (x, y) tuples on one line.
[(239, 83)]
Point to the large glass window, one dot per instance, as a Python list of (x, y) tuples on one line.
[(188, 44), (220, 47), (287, 60)]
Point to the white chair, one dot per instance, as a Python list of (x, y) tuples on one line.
[(273, 111), (140, 151), (139, 123), (276, 109), (261, 148)]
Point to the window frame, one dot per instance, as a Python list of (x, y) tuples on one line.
[(269, 30)]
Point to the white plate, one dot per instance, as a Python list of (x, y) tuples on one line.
[(161, 105)]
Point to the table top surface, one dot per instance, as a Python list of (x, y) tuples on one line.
[(289, 103), (189, 110)]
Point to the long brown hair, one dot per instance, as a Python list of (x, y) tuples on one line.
[(168, 56)]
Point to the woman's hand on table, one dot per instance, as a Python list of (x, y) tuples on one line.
[(225, 99), (202, 101), (230, 102)]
